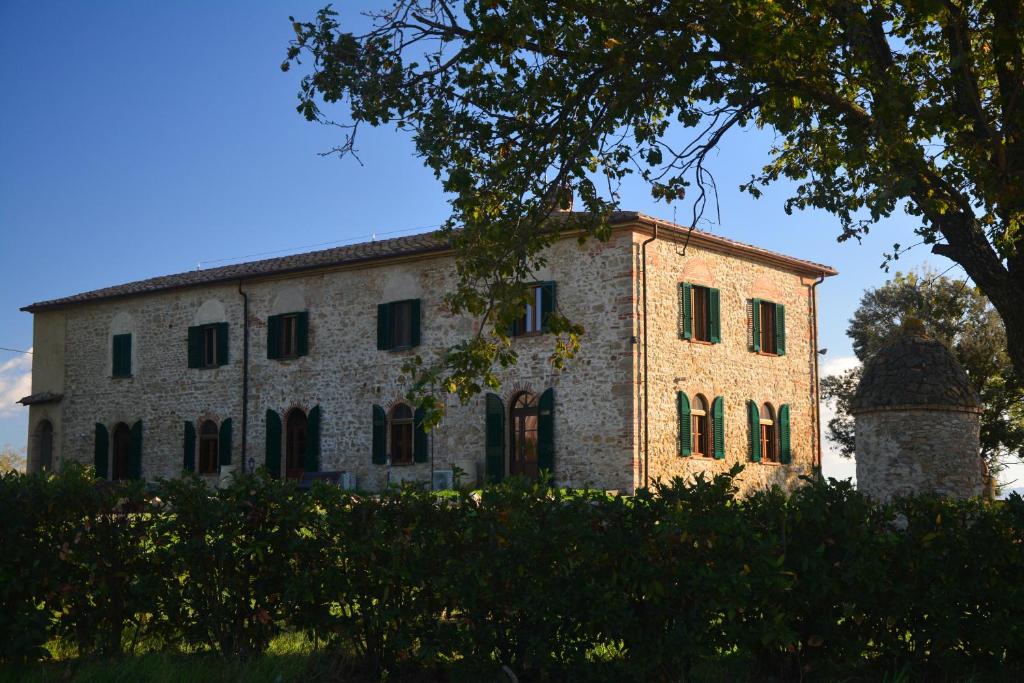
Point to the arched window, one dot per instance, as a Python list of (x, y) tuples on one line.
[(699, 427), (401, 425), (525, 415), (208, 447), (769, 434), (44, 443), (295, 444), (122, 452)]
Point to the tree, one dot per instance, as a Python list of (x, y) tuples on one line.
[(517, 104), (960, 316), (11, 459)]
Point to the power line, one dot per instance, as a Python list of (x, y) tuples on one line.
[(349, 240), (4, 348)]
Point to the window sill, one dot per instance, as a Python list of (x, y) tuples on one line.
[(122, 376), (527, 335), (767, 353), (702, 342), (772, 463)]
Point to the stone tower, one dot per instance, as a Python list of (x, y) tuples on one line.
[(917, 422)]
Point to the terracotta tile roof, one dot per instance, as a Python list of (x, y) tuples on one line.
[(377, 250)]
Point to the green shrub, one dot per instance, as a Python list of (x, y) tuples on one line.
[(685, 581)]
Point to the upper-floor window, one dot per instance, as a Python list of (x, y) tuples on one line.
[(398, 325), (121, 361), (699, 313), (769, 327), (208, 345), (540, 304), (288, 335)]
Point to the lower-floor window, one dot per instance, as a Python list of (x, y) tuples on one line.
[(401, 435), (122, 452), (769, 434), (699, 427), (208, 447)]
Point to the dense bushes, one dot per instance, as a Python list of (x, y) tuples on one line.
[(666, 585)]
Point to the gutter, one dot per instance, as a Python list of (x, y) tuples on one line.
[(245, 375), (647, 433), (817, 380)]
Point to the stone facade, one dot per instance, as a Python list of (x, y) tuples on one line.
[(598, 398), (917, 422)]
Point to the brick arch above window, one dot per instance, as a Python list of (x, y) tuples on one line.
[(210, 311), (515, 390), (288, 298), (697, 271), (765, 288)]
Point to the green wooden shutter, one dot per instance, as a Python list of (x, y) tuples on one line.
[(546, 432), (780, 329), (101, 451), (685, 431), (715, 315), (415, 316), (224, 442), (685, 311), (379, 454), (718, 427), (189, 448), (755, 431), (135, 456), (785, 447), (420, 449), (547, 304), (274, 336), (755, 324), (122, 356), (195, 347), (383, 326), (302, 333), (313, 440), (494, 460), (222, 343), (273, 446)]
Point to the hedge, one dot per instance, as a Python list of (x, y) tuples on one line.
[(664, 585)]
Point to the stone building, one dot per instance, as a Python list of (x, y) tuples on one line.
[(293, 364), (917, 422)]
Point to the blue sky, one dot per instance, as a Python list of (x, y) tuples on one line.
[(139, 139)]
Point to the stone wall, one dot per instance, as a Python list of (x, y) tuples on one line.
[(900, 452), (345, 374), (731, 368)]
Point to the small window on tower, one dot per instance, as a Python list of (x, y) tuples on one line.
[(210, 347)]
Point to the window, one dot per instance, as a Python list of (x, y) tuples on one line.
[(524, 454), (540, 303), (44, 443), (699, 313), (401, 435), (769, 327), (769, 434), (699, 427), (288, 335), (208, 447), (121, 362), (398, 325), (122, 453), (208, 345), (295, 444)]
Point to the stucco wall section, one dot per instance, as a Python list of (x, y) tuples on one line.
[(902, 452), (729, 369), (345, 374), (48, 337)]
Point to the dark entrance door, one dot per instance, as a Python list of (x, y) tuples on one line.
[(523, 454), (295, 444), (122, 452)]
